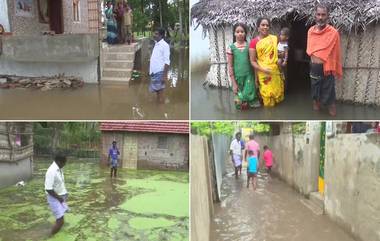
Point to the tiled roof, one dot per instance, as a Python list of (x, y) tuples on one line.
[(147, 126)]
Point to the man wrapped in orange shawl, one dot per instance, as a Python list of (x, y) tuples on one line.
[(323, 46)]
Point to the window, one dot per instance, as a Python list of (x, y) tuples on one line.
[(162, 142), (76, 10)]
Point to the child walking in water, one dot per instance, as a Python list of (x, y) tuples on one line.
[(252, 169), (268, 159), (282, 49), (240, 70)]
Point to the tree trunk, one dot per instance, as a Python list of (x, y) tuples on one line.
[(160, 7), (180, 22)]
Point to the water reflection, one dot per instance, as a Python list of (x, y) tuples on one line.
[(108, 101)]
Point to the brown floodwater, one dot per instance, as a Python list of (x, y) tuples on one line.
[(217, 104), (105, 102), (273, 212)]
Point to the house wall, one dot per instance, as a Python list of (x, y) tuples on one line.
[(4, 18), (147, 153), (74, 55), (296, 156), (13, 172), (352, 183), (174, 154), (201, 203), (18, 165), (32, 26), (361, 67)]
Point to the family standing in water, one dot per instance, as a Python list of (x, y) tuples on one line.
[(250, 153), (258, 69)]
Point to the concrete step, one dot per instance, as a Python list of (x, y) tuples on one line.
[(119, 56), (117, 73), (312, 206), (111, 80), (317, 199), (120, 48), (118, 64)]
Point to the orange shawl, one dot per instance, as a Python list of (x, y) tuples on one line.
[(325, 44)]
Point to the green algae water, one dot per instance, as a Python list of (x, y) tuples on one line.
[(137, 205)]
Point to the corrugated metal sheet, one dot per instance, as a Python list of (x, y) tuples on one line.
[(147, 126)]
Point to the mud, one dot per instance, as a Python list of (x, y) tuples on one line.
[(99, 205)]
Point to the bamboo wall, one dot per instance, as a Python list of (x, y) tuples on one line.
[(9, 151)]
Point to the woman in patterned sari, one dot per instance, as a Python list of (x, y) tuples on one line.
[(111, 24), (263, 56)]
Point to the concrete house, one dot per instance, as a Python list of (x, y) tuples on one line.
[(148, 145), (16, 152), (50, 37)]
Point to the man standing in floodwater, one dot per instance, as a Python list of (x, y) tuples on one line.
[(56, 191), (236, 153), (113, 155), (159, 64), (323, 47)]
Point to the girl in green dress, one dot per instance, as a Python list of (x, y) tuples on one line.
[(241, 71)]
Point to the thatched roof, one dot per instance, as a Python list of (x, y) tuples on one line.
[(347, 15)]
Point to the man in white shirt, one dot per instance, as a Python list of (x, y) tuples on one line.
[(56, 191), (159, 64), (236, 153)]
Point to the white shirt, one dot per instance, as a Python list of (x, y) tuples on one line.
[(54, 179), (235, 147), (282, 46), (160, 57)]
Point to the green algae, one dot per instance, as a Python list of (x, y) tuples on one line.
[(113, 223), (165, 197), (149, 223), (63, 236), (99, 205)]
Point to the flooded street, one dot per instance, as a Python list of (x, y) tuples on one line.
[(137, 205), (215, 103), (109, 101), (273, 212)]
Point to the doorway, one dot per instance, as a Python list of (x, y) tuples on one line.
[(298, 81), (56, 16)]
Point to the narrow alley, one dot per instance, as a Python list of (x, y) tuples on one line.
[(273, 212)]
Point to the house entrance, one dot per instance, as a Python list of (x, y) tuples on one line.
[(56, 16), (298, 80)]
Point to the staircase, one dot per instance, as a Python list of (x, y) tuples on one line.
[(315, 203), (117, 62)]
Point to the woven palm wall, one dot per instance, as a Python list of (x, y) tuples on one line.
[(360, 60)]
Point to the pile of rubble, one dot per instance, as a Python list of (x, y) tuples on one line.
[(42, 83)]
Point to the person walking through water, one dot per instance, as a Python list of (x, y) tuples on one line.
[(56, 192), (113, 156), (323, 47), (159, 64), (252, 168), (240, 70), (236, 154), (263, 56)]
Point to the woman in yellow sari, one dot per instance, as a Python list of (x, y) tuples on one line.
[(263, 56)]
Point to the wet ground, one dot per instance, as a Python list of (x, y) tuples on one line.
[(100, 102), (137, 205), (273, 212), (217, 104)]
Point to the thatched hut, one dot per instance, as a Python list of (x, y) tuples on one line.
[(16, 152), (357, 21)]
